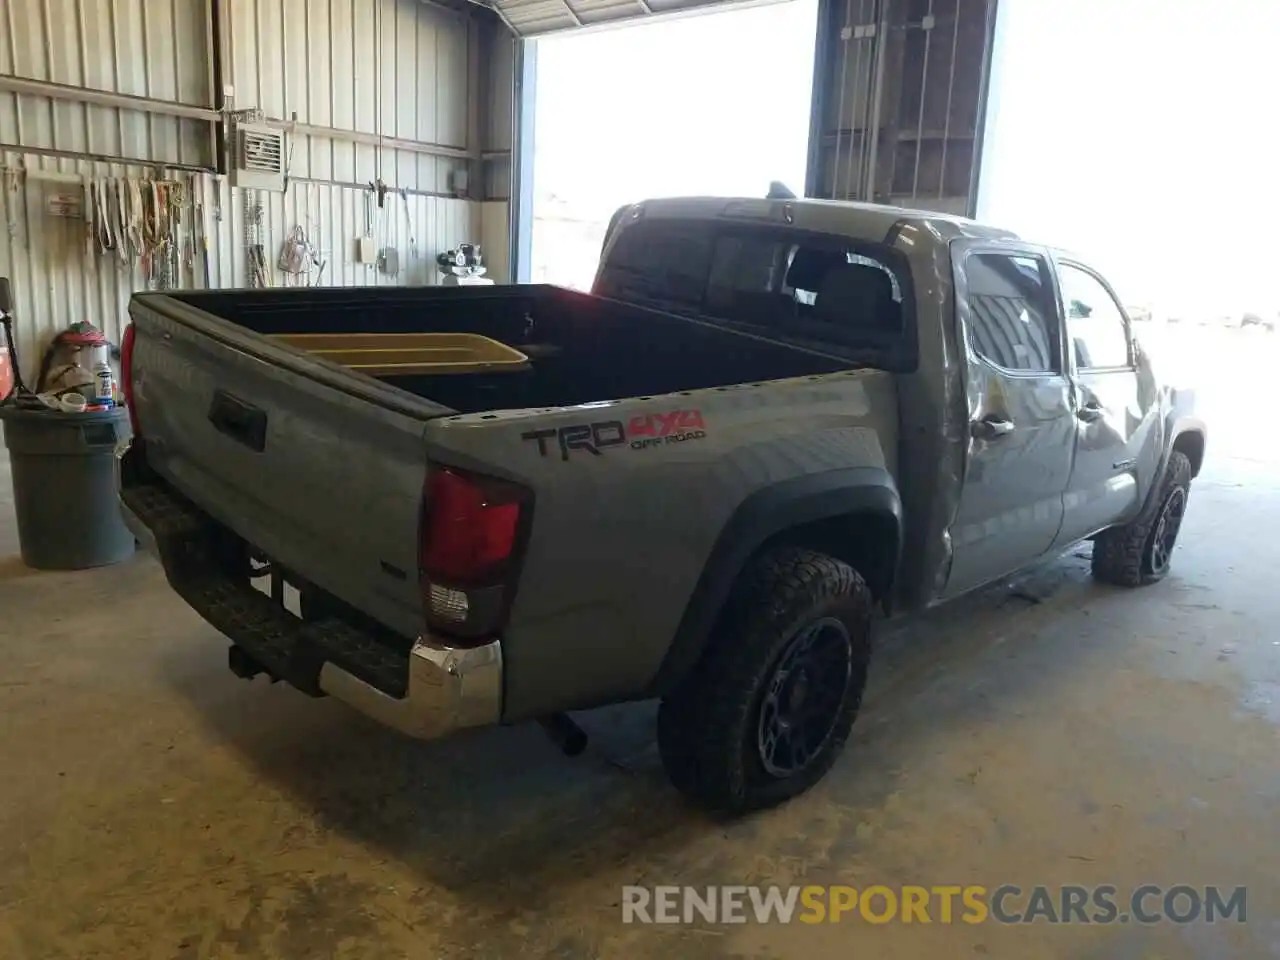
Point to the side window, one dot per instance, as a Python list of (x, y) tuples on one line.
[(1095, 324), (1012, 320)]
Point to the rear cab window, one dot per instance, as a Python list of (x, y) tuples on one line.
[(827, 292)]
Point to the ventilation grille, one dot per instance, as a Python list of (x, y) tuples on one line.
[(262, 152), (260, 158)]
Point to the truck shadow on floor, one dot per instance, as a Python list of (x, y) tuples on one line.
[(12, 568), (499, 817)]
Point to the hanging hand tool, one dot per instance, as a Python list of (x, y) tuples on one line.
[(200, 185), (12, 184), (408, 225), (89, 210), (124, 237), (103, 231), (135, 220), (146, 228), (122, 219), (183, 237), (215, 187), (115, 223), (366, 249)]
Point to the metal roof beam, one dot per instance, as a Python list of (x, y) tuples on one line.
[(577, 20)]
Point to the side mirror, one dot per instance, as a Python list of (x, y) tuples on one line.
[(6, 297), (1079, 310)]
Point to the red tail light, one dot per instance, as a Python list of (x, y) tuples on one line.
[(126, 376), (469, 536), (469, 530)]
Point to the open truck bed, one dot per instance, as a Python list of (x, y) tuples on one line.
[(581, 348)]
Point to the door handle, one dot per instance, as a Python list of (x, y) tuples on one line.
[(990, 428), (1090, 412), (238, 420)]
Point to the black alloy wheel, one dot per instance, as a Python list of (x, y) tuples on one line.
[(1165, 534), (801, 702)]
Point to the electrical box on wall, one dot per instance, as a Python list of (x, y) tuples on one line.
[(259, 158), (460, 181)]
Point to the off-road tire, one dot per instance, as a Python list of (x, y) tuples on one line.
[(1123, 556), (708, 727)]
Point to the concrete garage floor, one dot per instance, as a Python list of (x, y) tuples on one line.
[(1050, 732)]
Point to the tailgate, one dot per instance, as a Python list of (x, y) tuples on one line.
[(318, 468)]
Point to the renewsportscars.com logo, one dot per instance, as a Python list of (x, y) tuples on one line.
[(879, 904)]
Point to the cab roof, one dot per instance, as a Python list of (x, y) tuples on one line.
[(863, 221)]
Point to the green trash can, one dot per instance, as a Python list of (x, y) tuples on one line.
[(64, 486)]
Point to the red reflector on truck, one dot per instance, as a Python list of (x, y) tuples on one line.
[(469, 528)]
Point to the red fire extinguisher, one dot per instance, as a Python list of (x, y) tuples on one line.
[(6, 376)]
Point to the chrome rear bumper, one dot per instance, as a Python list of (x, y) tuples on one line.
[(449, 688)]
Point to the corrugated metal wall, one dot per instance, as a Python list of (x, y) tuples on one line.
[(499, 57), (108, 45), (898, 101), (501, 60), (399, 68), (395, 67)]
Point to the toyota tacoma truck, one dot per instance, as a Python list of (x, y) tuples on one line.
[(769, 424)]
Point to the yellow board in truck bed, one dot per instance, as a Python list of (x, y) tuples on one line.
[(403, 354)]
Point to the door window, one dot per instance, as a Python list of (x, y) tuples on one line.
[(1096, 327), (1012, 320)]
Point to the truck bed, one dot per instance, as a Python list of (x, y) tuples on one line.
[(582, 348)]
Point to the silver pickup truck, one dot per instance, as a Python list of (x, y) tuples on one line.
[(770, 422)]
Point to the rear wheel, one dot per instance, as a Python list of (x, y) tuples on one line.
[(1141, 552), (767, 710)]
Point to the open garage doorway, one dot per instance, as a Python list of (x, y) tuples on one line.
[(1142, 136), (714, 104)]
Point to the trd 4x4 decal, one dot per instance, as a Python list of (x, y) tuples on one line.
[(640, 433), (677, 426)]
